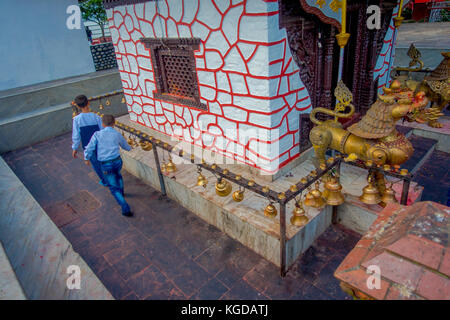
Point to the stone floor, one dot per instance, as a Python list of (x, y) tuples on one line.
[(164, 251)]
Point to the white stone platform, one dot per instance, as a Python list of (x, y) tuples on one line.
[(442, 135)]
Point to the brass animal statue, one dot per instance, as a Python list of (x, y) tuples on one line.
[(374, 137), (436, 86)]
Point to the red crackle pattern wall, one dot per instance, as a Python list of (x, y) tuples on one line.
[(385, 61), (246, 74)]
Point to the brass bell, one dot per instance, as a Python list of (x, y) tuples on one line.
[(146, 146), (201, 180), (389, 196), (238, 195), (334, 196), (270, 211), (123, 100), (130, 142), (163, 167), (318, 196), (370, 195), (310, 200), (299, 218), (223, 187), (101, 107), (170, 166), (108, 102)]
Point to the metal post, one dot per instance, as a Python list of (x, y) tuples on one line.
[(405, 191), (158, 167), (283, 239)]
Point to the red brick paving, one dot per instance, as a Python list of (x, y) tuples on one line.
[(164, 251), (410, 246)]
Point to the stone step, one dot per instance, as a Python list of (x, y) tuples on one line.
[(423, 147), (17, 101), (434, 177), (34, 126)]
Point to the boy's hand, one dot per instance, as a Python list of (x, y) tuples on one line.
[(86, 162), (74, 153)]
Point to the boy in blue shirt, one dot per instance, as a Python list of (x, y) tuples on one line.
[(84, 126), (106, 144)]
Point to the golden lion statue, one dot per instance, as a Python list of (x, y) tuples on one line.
[(374, 137)]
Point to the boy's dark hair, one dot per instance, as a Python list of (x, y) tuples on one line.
[(108, 119), (81, 101)]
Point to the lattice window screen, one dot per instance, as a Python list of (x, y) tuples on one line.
[(174, 66)]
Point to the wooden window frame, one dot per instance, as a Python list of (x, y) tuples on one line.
[(178, 47)]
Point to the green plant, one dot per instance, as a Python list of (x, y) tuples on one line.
[(93, 10), (445, 15)]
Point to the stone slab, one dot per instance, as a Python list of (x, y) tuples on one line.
[(10, 288), (38, 252), (442, 135), (28, 128)]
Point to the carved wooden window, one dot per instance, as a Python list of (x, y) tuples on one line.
[(174, 69)]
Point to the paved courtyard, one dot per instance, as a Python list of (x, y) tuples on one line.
[(164, 251)]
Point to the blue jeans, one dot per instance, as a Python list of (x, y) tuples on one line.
[(111, 172), (97, 166)]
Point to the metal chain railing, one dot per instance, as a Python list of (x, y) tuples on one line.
[(282, 198)]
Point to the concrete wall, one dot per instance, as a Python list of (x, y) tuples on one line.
[(37, 46)]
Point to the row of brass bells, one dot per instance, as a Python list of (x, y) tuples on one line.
[(370, 195), (270, 211), (299, 217), (223, 187), (314, 198), (334, 196), (238, 195)]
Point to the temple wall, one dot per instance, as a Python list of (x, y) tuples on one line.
[(247, 77)]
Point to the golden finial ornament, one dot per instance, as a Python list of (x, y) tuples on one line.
[(270, 211), (238, 195), (389, 195), (223, 188), (281, 196), (299, 217), (370, 195), (251, 183), (265, 189), (334, 196), (293, 188)]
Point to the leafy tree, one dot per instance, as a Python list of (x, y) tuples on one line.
[(93, 10)]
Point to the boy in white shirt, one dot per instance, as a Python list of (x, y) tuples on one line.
[(85, 125)]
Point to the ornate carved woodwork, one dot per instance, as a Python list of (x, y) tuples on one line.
[(314, 48)]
